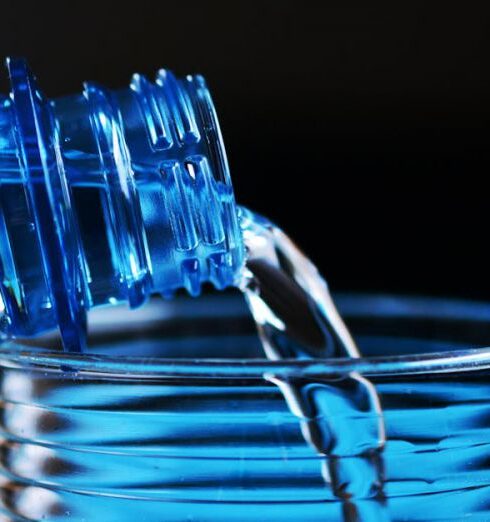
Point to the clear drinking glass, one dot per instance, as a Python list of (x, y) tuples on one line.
[(175, 415)]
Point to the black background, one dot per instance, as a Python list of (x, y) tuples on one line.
[(361, 129)]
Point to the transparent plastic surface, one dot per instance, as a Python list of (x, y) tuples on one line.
[(110, 196), (180, 433)]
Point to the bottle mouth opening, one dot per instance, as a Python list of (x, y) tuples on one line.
[(214, 338)]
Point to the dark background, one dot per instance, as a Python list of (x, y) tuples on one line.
[(362, 129)]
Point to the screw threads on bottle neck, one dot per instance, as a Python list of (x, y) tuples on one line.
[(125, 193)]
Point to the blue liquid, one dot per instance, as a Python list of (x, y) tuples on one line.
[(124, 442)]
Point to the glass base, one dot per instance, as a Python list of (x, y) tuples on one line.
[(172, 415)]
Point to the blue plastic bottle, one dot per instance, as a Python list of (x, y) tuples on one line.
[(110, 196)]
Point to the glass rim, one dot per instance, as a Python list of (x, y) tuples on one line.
[(15, 355)]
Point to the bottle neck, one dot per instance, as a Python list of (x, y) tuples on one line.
[(125, 193)]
